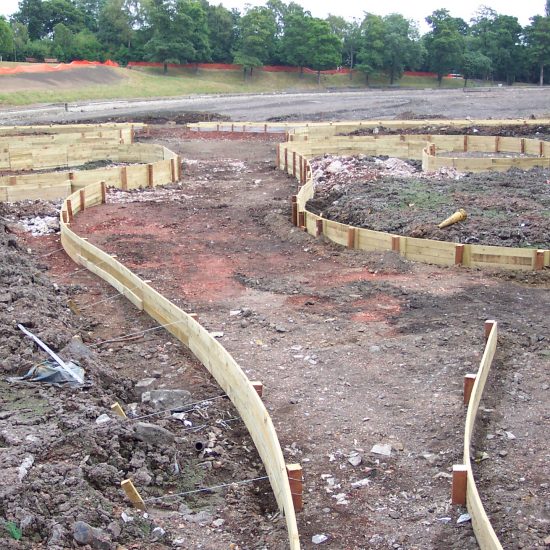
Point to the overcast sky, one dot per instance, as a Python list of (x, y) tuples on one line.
[(417, 9)]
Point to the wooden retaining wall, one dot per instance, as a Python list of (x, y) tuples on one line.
[(484, 532), (205, 347), (293, 157), (154, 165)]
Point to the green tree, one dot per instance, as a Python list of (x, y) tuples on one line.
[(325, 49), (115, 29), (87, 46), (63, 42), (349, 33), (499, 37), (444, 43), (178, 32), (31, 13), (222, 32), (62, 11), (256, 46), (370, 56), (6, 39), (294, 48), (91, 9), (401, 46), (538, 42), (475, 65), (20, 39)]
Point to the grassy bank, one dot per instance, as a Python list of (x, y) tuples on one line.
[(144, 83)]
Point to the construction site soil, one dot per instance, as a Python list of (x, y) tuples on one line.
[(354, 349)]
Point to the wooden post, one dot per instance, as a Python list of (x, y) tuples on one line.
[(396, 244), (459, 254), (469, 380), (460, 481), (351, 237), (13, 180), (497, 144), (301, 219), (70, 210), (150, 175), (64, 216), (118, 410), (294, 163), (305, 171), (465, 143), (286, 160), (541, 148), (539, 260), (265, 128), (296, 482), (488, 327), (522, 145), (124, 178), (82, 200), (278, 155), (301, 170), (173, 170), (319, 226), (258, 386), (103, 192), (232, 128), (294, 210), (132, 494), (217, 127)]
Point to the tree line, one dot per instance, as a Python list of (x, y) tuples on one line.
[(490, 46)]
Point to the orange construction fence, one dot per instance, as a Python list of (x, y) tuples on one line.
[(49, 68)]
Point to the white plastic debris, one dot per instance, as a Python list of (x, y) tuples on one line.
[(319, 539), (463, 518), (383, 449)]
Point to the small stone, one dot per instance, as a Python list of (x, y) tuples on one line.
[(355, 460), (394, 514), (280, 328), (218, 522), (158, 533), (443, 475), (115, 529), (85, 534), (464, 518), (169, 399), (361, 483), (319, 539), (154, 435), (126, 518), (145, 385), (383, 449), (502, 453), (103, 419), (510, 435)]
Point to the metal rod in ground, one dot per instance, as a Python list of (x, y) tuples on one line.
[(207, 489)]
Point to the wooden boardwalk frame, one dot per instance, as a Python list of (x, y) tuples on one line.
[(88, 189)]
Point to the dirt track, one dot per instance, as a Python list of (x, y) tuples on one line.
[(511, 102)]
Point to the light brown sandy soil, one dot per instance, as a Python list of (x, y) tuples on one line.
[(354, 349)]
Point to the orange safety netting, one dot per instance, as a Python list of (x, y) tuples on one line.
[(49, 68)]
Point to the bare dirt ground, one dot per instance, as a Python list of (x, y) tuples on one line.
[(508, 102), (354, 349)]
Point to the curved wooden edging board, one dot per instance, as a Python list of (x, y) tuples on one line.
[(90, 192), (484, 532), (293, 157)]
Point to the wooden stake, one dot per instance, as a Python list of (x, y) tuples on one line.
[(173, 170), (469, 380), (286, 160), (488, 327), (465, 143), (460, 481), (522, 142), (278, 155), (132, 494), (258, 386), (351, 237), (294, 210), (539, 260), (396, 244), (497, 144), (118, 410), (459, 254), (13, 180), (70, 210), (103, 192), (541, 148), (319, 225), (301, 219), (265, 128), (150, 175), (82, 200), (124, 178), (64, 216), (294, 163), (296, 482)]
